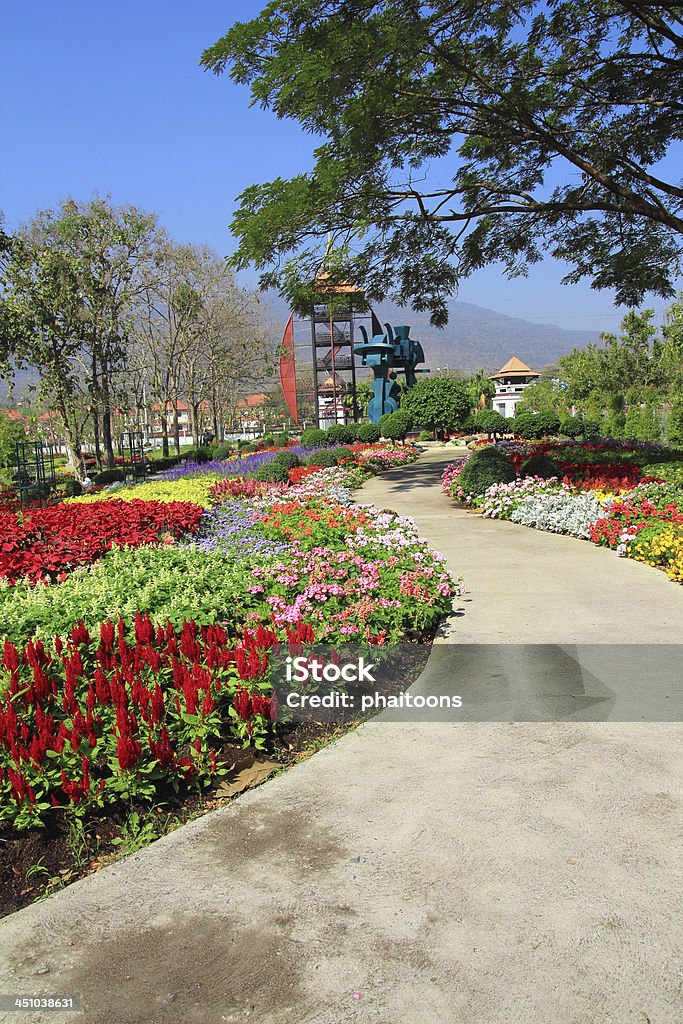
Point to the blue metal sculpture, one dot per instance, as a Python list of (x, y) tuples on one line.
[(388, 355)]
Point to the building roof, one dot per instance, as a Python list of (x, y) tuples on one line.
[(251, 401), (517, 367)]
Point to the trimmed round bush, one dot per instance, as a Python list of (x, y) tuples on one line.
[(108, 476), (570, 426), (486, 467), (342, 453), (272, 473), (395, 425), (338, 433), (200, 454), (368, 433), (540, 465), (491, 422), (221, 451), (490, 451), (312, 437), (353, 430), (72, 489), (548, 423), (324, 458), (287, 459)]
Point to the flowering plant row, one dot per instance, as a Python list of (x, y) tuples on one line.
[(112, 715), (638, 516), (46, 543)]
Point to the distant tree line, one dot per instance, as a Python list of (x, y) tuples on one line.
[(114, 315)]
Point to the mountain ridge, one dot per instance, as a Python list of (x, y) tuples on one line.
[(475, 336)]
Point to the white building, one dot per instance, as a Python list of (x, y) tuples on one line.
[(510, 382)]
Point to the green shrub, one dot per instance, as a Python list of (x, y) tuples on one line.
[(540, 465), (287, 459), (282, 440), (571, 426), (486, 467), (592, 429), (338, 433), (368, 433), (425, 435), (108, 476), (491, 422), (353, 430), (325, 458), (312, 437), (273, 472), (395, 425), (268, 441), (342, 453), (72, 489), (223, 450), (162, 464)]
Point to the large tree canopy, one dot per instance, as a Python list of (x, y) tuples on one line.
[(461, 132)]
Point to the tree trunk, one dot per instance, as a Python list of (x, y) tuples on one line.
[(96, 430), (176, 427), (164, 433), (194, 425), (74, 453)]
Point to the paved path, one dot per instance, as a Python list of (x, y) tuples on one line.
[(414, 873)]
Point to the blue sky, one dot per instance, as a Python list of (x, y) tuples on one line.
[(110, 98)]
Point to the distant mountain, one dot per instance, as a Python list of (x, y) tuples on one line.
[(475, 336)]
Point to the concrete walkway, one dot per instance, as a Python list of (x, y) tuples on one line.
[(413, 873)]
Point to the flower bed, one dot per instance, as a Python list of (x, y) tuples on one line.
[(614, 504), (46, 543), (92, 713)]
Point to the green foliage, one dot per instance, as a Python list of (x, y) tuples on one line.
[(539, 465), (601, 375), (571, 426), (342, 453), (533, 426), (642, 423), (287, 459), (175, 582), (325, 458), (72, 489), (491, 422), (282, 439), (395, 425), (11, 433), (487, 466), (479, 386), (674, 424), (516, 98), (109, 476), (368, 433), (202, 454), (338, 433), (547, 396), (272, 472), (312, 437), (222, 451), (425, 435), (440, 404)]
